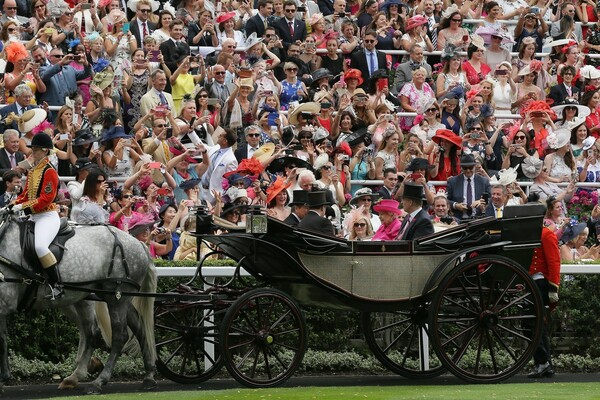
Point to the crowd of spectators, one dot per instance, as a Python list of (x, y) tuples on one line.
[(289, 104)]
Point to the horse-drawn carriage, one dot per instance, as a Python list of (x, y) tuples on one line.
[(460, 300)]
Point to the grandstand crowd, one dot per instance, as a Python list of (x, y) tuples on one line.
[(155, 107)]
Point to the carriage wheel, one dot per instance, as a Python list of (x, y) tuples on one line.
[(263, 338), (187, 341), (400, 339), (486, 319)]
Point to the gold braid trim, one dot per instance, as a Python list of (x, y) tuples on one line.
[(34, 179)]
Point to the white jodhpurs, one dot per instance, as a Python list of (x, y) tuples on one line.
[(47, 225)]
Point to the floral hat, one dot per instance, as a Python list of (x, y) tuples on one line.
[(276, 188)]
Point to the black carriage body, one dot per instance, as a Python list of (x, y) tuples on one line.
[(374, 276)]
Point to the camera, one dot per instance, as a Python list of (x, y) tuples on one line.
[(441, 149), (161, 230), (342, 15), (447, 220), (301, 9), (475, 135)]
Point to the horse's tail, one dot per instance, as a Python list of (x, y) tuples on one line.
[(145, 306)]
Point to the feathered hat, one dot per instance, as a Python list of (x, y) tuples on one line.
[(15, 52)]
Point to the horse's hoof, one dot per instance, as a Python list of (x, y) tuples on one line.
[(67, 384), (95, 366), (93, 389), (149, 384)]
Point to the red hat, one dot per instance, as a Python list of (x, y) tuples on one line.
[(354, 73), (225, 17), (415, 21), (176, 152), (276, 188), (448, 135)]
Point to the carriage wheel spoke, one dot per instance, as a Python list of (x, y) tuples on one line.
[(514, 302), (398, 337), (478, 356), (501, 296), (392, 325), (410, 342), (513, 332), (267, 365), (169, 341), (492, 351), (468, 294), (281, 362), (450, 300)]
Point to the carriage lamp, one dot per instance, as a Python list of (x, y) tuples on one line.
[(256, 220), (203, 219)]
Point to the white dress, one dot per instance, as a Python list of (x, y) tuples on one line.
[(559, 168)]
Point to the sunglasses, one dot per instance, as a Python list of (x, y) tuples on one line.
[(519, 137), (530, 17), (11, 8), (433, 109), (366, 199), (571, 108), (160, 126), (292, 69), (127, 196), (253, 134), (305, 137), (12, 30), (369, 41), (360, 225), (456, 20), (203, 96), (241, 184), (467, 167), (220, 73), (292, 166), (145, 11), (100, 180), (476, 129), (68, 13), (39, 6), (290, 11), (327, 167)]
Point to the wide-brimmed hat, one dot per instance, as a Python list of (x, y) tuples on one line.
[(82, 164), (225, 17), (558, 138), (467, 160), (388, 205), (477, 41), (264, 152), (588, 142), (531, 167), (361, 135), (189, 184), (589, 72), (486, 32), (115, 16), (115, 132), (103, 79), (533, 66), (448, 135), (415, 21), (235, 178), (276, 187), (317, 198), (385, 7), (84, 136), (505, 177), (248, 166), (30, 119), (413, 191), (582, 111), (138, 223), (572, 230), (320, 74), (252, 40), (359, 92), (235, 193), (320, 161), (364, 192), (574, 123), (353, 73), (279, 164), (247, 82), (300, 198), (42, 140), (486, 111), (176, 152), (418, 163), (314, 18), (132, 4), (310, 107)]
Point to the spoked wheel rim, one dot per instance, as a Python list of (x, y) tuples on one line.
[(187, 346), (400, 340), (263, 338), (487, 317)]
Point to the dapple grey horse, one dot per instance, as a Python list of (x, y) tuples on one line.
[(87, 262)]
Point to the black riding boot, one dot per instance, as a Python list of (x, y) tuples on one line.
[(55, 283)]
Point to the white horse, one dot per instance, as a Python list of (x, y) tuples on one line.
[(87, 264)]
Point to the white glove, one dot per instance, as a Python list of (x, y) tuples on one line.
[(553, 297), (17, 208)]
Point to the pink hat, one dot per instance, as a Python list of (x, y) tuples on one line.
[(387, 205), (415, 21)]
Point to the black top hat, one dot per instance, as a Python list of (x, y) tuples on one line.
[(317, 198), (467, 160), (300, 198), (412, 191), (418, 163), (189, 184), (42, 140)]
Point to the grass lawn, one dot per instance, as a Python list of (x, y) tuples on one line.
[(546, 391)]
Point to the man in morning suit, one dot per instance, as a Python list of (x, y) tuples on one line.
[(156, 95), (140, 26), (23, 96), (562, 92), (252, 144), (498, 198), (289, 28), (260, 21), (465, 190), (390, 179), (173, 48), (10, 156), (315, 218), (416, 224), (369, 59), (405, 70), (299, 206)]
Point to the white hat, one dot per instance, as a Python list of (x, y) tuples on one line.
[(582, 111), (532, 166), (558, 138), (505, 177), (589, 72), (588, 142), (30, 119)]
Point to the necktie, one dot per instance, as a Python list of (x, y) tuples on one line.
[(569, 92), (13, 162), (211, 168), (83, 23), (498, 213), (469, 197), (144, 31), (371, 63), (163, 99), (433, 32), (291, 25), (404, 226), (265, 21)]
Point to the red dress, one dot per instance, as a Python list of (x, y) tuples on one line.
[(592, 121), (591, 18), (474, 77)]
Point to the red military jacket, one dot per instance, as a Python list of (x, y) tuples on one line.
[(41, 189), (546, 259)]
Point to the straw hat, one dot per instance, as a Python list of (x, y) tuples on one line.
[(589, 72), (310, 107), (486, 32), (247, 82), (103, 79), (582, 111), (30, 119), (264, 152), (275, 188), (315, 18), (132, 4), (448, 135), (477, 41), (588, 142), (252, 40)]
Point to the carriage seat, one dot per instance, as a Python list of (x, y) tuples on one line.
[(65, 232)]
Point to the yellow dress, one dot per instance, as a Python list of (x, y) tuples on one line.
[(183, 85)]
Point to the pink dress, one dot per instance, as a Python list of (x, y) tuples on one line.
[(473, 76), (418, 99), (389, 232)]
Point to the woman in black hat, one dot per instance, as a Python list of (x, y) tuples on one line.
[(43, 180)]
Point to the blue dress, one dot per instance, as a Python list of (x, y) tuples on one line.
[(289, 93)]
